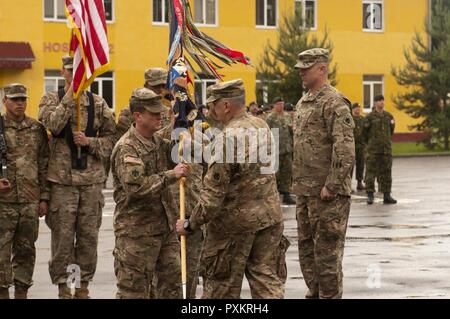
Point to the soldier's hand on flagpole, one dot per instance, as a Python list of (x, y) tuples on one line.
[(4, 185), (80, 139), (180, 227), (181, 170)]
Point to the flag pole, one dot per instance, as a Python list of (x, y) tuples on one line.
[(182, 183), (77, 100)]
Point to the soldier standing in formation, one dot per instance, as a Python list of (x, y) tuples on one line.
[(282, 121), (76, 182), (359, 146), (324, 153), (23, 192), (144, 220), (379, 126), (241, 210)]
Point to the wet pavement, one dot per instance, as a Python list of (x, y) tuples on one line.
[(395, 251)]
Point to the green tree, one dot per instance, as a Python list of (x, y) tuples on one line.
[(275, 70), (426, 75)]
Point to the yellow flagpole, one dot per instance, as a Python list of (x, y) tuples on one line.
[(78, 123), (183, 217)]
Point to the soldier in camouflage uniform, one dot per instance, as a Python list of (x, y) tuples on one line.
[(24, 193), (155, 80), (240, 207), (324, 153), (359, 146), (144, 219), (379, 126), (76, 203), (282, 121)]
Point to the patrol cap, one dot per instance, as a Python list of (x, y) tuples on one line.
[(67, 62), (155, 76), (15, 90), (148, 99), (229, 89), (378, 98), (277, 99), (308, 58)]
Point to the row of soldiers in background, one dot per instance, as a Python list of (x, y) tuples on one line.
[(373, 150)]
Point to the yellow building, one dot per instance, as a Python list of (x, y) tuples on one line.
[(368, 36)]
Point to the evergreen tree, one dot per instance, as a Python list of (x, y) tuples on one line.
[(426, 76), (276, 68)]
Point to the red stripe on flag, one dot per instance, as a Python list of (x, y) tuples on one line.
[(97, 45)]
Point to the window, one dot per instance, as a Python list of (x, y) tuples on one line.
[(266, 13), (53, 80), (103, 85), (200, 89), (373, 86), (307, 9), (54, 10), (160, 11), (206, 12), (373, 15)]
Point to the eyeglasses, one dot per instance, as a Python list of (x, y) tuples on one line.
[(18, 99)]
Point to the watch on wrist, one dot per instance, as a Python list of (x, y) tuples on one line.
[(187, 226)]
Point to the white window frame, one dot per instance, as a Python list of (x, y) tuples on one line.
[(55, 13), (99, 80), (55, 78), (163, 8), (371, 2), (204, 83), (216, 11), (371, 83), (265, 26), (303, 3)]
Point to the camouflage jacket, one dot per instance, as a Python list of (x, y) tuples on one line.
[(236, 197), (54, 114), (324, 147), (378, 130), (142, 172), (27, 159), (358, 131), (284, 125)]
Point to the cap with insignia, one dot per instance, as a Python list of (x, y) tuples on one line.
[(151, 101), (308, 58), (67, 62), (15, 90), (155, 76), (229, 89)]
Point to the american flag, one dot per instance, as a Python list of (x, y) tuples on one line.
[(89, 42)]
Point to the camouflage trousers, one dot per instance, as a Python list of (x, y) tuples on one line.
[(284, 173), (379, 166), (74, 218), (321, 236), (227, 257), (359, 162), (142, 262), (19, 227)]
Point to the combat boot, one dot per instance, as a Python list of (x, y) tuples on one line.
[(388, 199), (83, 291), (287, 199), (360, 186), (20, 291), (64, 292), (312, 295), (370, 198), (4, 293)]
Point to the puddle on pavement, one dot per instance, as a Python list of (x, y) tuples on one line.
[(392, 226)]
